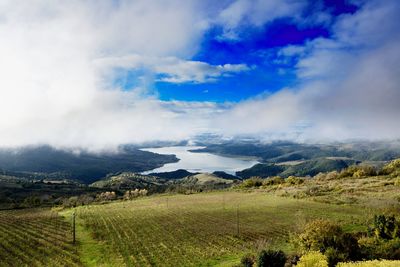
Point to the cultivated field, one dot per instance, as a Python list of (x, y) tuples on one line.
[(197, 230), (35, 237)]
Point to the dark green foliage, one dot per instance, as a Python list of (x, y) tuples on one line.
[(178, 174), (386, 227), (292, 180), (225, 175), (271, 258), (329, 238), (252, 182), (247, 260), (87, 167), (375, 248), (311, 168), (274, 181), (316, 166), (262, 170), (287, 151), (358, 171), (338, 246)]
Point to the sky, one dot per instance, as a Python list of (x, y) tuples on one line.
[(98, 74)]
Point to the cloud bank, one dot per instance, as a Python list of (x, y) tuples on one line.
[(59, 61), (349, 85)]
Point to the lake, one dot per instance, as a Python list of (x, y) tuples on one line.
[(199, 162)]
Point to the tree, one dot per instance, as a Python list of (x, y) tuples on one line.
[(271, 258)]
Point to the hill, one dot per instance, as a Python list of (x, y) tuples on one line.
[(44, 162), (178, 174), (276, 152), (301, 168)]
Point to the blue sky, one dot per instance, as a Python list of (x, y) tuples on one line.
[(257, 47)]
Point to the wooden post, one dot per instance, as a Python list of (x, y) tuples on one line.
[(237, 221), (73, 228)]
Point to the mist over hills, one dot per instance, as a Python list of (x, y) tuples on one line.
[(276, 158), (47, 162)]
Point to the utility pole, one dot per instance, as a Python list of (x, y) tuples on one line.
[(73, 227), (237, 221)]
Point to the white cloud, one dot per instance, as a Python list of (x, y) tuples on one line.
[(255, 13), (348, 87), (172, 69), (52, 89), (59, 60)]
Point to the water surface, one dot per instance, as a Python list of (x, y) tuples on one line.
[(199, 162)]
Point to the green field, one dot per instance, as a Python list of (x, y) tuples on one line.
[(201, 229), (205, 229), (36, 237)]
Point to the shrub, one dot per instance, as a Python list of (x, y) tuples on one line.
[(373, 248), (375, 263), (358, 171), (292, 180), (313, 259), (392, 168), (319, 235), (271, 258), (332, 175), (397, 181), (247, 260), (386, 227), (131, 194), (329, 238), (252, 182), (273, 181), (105, 196)]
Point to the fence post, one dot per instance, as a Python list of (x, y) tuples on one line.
[(73, 227), (237, 221)]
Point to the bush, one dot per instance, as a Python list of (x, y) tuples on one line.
[(392, 168), (373, 248), (313, 259), (131, 194), (319, 235), (273, 181), (106, 196), (386, 227), (247, 260), (358, 171), (252, 182), (271, 258), (329, 238), (292, 180), (375, 263)]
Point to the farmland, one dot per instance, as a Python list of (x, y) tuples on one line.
[(205, 229), (37, 237), (200, 229)]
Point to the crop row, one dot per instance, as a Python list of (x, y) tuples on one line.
[(36, 237), (191, 230)]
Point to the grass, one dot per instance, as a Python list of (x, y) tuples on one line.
[(35, 237), (206, 229), (200, 229)]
